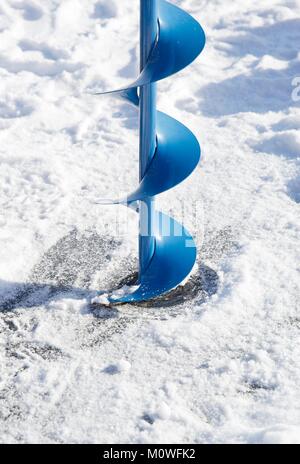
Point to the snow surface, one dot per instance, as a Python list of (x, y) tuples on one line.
[(223, 367)]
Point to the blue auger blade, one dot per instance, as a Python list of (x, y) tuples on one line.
[(176, 157), (180, 40), (173, 260)]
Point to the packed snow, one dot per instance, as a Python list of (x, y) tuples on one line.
[(223, 366)]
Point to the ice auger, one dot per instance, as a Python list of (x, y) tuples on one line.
[(170, 39)]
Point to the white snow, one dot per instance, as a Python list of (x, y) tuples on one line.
[(219, 369), (101, 299)]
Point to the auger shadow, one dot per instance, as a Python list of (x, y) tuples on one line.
[(66, 270), (31, 295)]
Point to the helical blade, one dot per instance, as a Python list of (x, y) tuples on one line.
[(173, 260), (179, 41), (176, 157)]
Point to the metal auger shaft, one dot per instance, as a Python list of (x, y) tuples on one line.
[(148, 37)]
